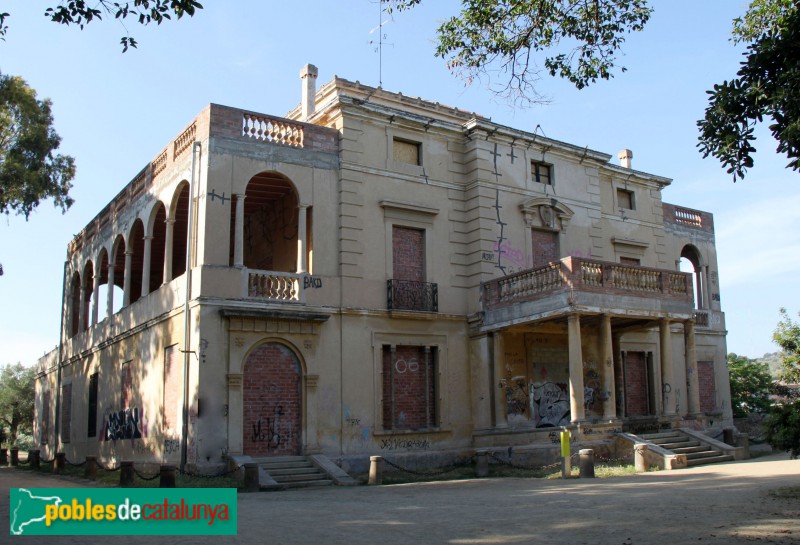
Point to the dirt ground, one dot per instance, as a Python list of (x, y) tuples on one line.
[(718, 504)]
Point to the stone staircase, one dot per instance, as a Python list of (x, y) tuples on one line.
[(678, 442), (293, 472)]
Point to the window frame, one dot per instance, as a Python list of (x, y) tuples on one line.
[(535, 175)]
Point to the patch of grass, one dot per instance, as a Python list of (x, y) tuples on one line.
[(786, 492)]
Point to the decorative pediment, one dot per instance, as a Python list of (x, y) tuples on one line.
[(546, 213)]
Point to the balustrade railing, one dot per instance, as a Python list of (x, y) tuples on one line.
[(272, 129), (411, 295), (701, 319), (587, 275), (275, 286)]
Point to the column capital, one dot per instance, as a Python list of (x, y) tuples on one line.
[(303, 205)]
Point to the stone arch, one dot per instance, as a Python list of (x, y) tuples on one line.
[(135, 247), (157, 231), (87, 293), (74, 303), (117, 283), (272, 400), (691, 261), (102, 286), (179, 216)]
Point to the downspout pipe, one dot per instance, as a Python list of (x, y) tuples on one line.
[(56, 425), (197, 149)]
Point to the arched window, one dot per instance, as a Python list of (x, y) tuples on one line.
[(690, 262)]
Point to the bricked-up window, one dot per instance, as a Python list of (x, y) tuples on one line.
[(707, 386), (172, 378), (630, 261), (542, 172), (406, 151), (625, 199), (92, 409), (408, 254), (66, 412), (409, 387)]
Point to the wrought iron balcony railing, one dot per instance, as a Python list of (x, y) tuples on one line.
[(411, 295)]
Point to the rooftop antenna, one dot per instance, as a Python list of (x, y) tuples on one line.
[(381, 36)]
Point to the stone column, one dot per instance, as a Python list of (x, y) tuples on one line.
[(168, 244), (498, 372), (148, 243), (302, 254), (692, 380), (126, 297), (110, 294), (576, 400), (619, 373), (607, 355), (668, 386), (235, 413), (312, 440), (95, 297), (238, 240)]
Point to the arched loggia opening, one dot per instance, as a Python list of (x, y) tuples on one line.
[(136, 240), (179, 214), (275, 231), (158, 244), (690, 262), (74, 303), (102, 287), (117, 283), (87, 292)]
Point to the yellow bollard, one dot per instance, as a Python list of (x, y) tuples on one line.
[(566, 462)]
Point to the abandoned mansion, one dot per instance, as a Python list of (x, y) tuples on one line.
[(377, 274)]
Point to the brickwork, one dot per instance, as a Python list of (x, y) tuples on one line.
[(636, 384), (66, 412), (708, 387), (408, 254), (272, 402), (172, 380), (407, 388)]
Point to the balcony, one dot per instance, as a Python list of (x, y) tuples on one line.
[(411, 295), (589, 286)]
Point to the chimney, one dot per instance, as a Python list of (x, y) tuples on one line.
[(625, 157), (308, 101)]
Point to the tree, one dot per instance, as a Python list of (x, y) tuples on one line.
[(767, 85), (579, 40), (144, 12), (783, 423), (787, 336), (16, 399), (29, 170), (750, 385)]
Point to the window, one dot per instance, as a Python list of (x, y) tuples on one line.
[(409, 387), (405, 151), (625, 199), (92, 409), (542, 172)]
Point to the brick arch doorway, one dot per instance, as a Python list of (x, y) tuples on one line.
[(272, 404)]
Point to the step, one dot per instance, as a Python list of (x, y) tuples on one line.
[(309, 483), (283, 479), (660, 435), (690, 449), (286, 465), (710, 460), (687, 443), (703, 454), (293, 471)]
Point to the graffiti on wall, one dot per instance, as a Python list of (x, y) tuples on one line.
[(271, 430), (402, 443), (124, 424), (516, 396), (550, 404)]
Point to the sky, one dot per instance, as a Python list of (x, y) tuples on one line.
[(115, 112)]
